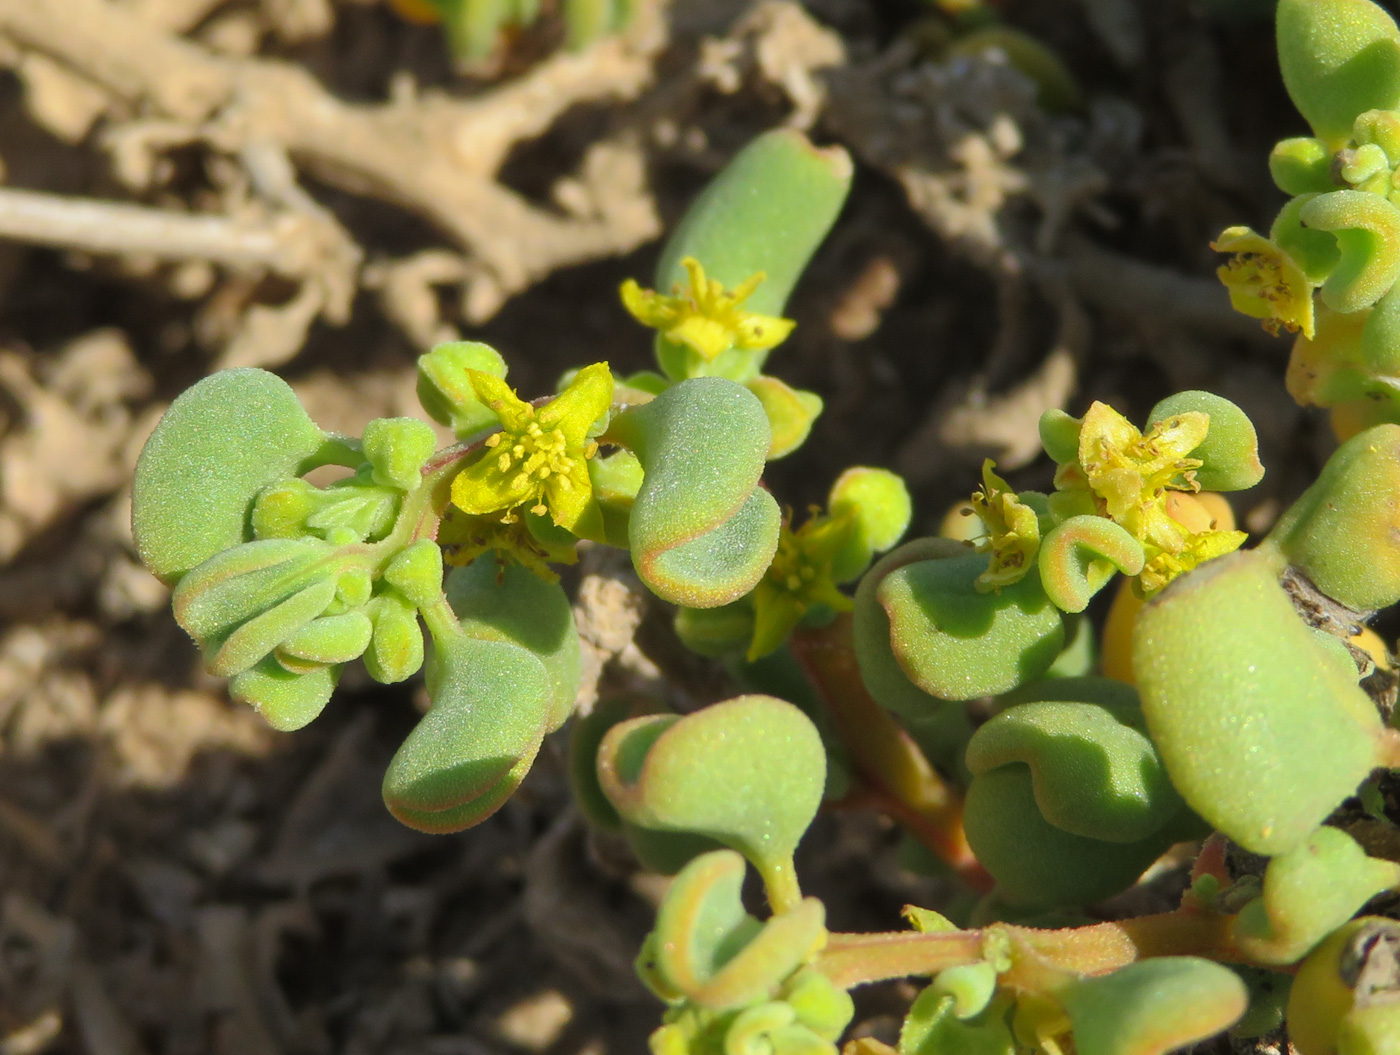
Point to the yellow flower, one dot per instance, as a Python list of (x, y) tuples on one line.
[(1013, 532), (1199, 548), (539, 459), (1130, 473), (463, 538), (705, 317), (798, 578), (1264, 282), (1130, 477)]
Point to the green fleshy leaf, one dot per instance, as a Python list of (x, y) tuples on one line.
[(1380, 340), (1093, 770), (717, 632), (660, 772), (767, 211), (287, 701), (933, 1027), (1339, 58), (881, 671), (958, 643), (1339, 534), (1037, 864), (258, 636), (1367, 229), (790, 411), (1262, 732), (220, 443), (330, 639), (1315, 252), (1302, 165), (416, 572), (511, 604), (396, 449), (445, 389), (708, 949), (490, 703), (1153, 1006), (1059, 435), (701, 534), (1230, 453), (878, 503), (1077, 559), (585, 734), (1309, 892), (395, 650)]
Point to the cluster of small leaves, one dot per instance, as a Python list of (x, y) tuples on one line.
[(1329, 265), (282, 581)]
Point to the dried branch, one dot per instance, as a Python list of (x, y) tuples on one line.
[(434, 155), (281, 244)]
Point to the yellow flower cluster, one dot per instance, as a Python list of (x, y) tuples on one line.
[(705, 317), (1013, 532), (1129, 475)]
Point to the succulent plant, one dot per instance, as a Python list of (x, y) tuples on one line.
[(957, 684)]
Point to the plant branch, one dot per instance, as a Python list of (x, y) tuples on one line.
[(434, 155), (281, 244), (890, 765), (856, 959)]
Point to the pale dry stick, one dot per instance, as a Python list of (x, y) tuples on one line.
[(433, 155), (279, 244)]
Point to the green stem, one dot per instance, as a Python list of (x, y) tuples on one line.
[(780, 884), (441, 620)]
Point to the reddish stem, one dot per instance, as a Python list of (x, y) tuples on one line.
[(855, 959), (896, 777)]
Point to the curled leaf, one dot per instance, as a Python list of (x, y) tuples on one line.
[(1367, 228), (1093, 770), (1037, 864), (707, 949), (468, 753), (1309, 892), (1080, 555), (702, 533)]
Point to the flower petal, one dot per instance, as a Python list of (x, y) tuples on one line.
[(514, 412), (569, 495), (574, 411), (482, 488)]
